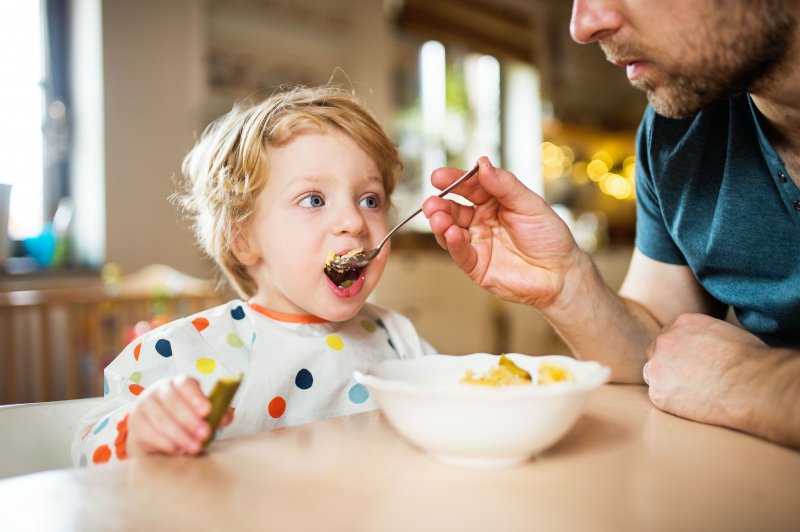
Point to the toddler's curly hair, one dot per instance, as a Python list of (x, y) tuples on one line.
[(228, 166)]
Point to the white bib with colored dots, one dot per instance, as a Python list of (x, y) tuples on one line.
[(293, 372)]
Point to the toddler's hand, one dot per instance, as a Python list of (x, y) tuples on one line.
[(169, 418)]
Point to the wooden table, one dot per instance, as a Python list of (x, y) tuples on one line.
[(624, 466)]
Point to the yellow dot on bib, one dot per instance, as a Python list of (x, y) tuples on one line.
[(234, 340), (335, 342), (206, 365), (369, 326)]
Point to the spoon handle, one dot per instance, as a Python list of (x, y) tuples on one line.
[(442, 194)]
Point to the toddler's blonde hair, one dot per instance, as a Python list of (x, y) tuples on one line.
[(228, 166)]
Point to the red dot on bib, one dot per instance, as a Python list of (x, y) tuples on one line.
[(277, 407)]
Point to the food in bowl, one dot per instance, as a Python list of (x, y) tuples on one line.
[(481, 426), (506, 373)]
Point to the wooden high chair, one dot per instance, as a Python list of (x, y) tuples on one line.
[(54, 343)]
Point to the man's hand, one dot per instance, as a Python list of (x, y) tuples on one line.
[(711, 371), (509, 242)]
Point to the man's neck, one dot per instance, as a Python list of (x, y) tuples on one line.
[(783, 130), (778, 99)]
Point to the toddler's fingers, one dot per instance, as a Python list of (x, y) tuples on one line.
[(192, 394), (151, 440), (176, 420), (228, 418)]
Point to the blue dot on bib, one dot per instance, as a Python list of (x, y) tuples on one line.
[(100, 426), (358, 394), (304, 379), (237, 313), (164, 348)]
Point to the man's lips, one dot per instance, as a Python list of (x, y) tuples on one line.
[(634, 68)]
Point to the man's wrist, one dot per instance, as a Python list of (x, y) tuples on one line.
[(580, 281), (772, 410)]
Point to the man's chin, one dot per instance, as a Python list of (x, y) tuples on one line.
[(672, 106)]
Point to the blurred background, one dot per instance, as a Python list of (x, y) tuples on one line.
[(101, 99)]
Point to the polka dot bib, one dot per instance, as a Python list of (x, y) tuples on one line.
[(295, 369)]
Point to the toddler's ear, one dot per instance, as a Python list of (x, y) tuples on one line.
[(243, 251)]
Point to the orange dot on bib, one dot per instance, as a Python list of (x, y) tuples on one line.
[(101, 455), (277, 407), (200, 323)]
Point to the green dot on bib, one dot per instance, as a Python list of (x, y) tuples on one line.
[(234, 340), (136, 376), (206, 365), (369, 326), (334, 342)]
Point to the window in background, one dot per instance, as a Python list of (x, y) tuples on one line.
[(22, 106), (457, 105), (33, 132)]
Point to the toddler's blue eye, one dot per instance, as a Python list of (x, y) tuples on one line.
[(312, 201), (371, 202)]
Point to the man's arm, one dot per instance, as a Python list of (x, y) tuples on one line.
[(616, 329), (714, 372)]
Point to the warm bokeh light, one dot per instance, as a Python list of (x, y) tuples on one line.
[(596, 169), (613, 178)]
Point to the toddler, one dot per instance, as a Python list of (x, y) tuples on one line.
[(272, 189)]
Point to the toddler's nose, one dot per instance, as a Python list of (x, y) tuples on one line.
[(349, 220)]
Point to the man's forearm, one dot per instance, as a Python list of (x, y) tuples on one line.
[(775, 391), (598, 324)]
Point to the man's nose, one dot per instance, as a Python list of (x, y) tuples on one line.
[(594, 20)]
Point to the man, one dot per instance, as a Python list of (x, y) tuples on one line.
[(718, 217)]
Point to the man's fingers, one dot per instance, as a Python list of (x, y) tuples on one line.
[(471, 189), (458, 245), (507, 189)]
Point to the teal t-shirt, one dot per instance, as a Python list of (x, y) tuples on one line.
[(713, 194)]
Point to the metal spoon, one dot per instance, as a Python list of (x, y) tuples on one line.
[(343, 263)]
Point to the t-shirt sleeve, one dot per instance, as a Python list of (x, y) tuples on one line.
[(652, 235)]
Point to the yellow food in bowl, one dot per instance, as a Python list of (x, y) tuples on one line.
[(550, 372), (507, 373)]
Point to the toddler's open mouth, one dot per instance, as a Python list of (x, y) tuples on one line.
[(341, 278)]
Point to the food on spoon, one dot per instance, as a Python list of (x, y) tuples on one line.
[(508, 373), (220, 398), (341, 277), (332, 262)]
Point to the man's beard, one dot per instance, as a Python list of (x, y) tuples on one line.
[(726, 63)]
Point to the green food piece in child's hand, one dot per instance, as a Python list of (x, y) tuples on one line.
[(346, 284), (220, 398)]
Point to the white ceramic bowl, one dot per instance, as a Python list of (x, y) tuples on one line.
[(479, 426)]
